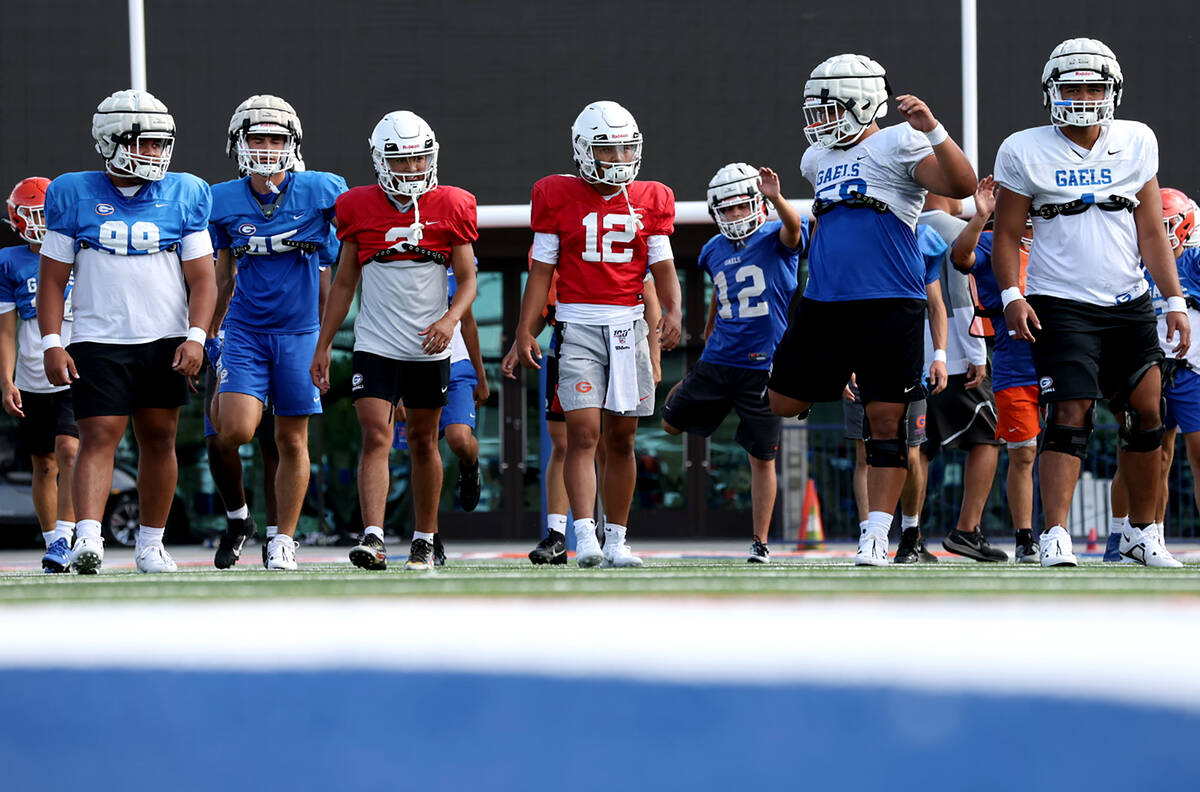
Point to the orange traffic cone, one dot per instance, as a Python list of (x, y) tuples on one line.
[(813, 536), (1092, 545)]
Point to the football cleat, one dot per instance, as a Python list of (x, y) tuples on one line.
[(1055, 546), (906, 551), (587, 549), (154, 558), (872, 548), (1112, 548), (1026, 551), (616, 552), (759, 553), (420, 555), (87, 555), (468, 486), (972, 544), (57, 557), (1142, 546), (439, 551), (281, 554), (229, 548), (551, 550), (370, 553)]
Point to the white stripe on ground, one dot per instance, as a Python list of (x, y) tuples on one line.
[(1119, 651)]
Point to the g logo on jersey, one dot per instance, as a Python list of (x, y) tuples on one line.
[(583, 387), (105, 209), (1046, 384), (356, 382), (247, 229)]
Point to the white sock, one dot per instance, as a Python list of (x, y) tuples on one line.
[(879, 521), (614, 530), (272, 531), (909, 520), (428, 537), (149, 536), (1117, 525), (283, 539), (862, 526), (49, 536), (239, 514), (374, 530), (64, 529), (87, 529), (556, 522), (587, 524)]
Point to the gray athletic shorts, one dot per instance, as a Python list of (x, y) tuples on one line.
[(583, 368), (852, 415)]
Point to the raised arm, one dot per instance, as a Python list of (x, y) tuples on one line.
[(962, 252)]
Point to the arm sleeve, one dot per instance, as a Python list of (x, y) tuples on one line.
[(59, 247), (197, 244), (658, 248), (1008, 172), (545, 247)]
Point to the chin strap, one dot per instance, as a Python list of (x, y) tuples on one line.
[(637, 220)]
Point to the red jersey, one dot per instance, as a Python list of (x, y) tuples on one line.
[(366, 215), (601, 252)]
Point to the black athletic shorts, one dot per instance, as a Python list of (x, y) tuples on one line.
[(881, 341), (1088, 351), (47, 415), (421, 384), (960, 417), (554, 410), (119, 379), (710, 391)]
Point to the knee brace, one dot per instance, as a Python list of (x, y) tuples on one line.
[(1066, 439), (887, 453), (1135, 439)]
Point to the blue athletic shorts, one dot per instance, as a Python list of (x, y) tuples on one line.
[(271, 367), (1183, 401)]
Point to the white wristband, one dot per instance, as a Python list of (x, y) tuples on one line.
[(1010, 294), (1176, 304), (197, 334), (51, 341), (939, 356), (937, 135)]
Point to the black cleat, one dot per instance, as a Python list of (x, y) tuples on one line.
[(369, 553), (926, 556), (229, 548), (906, 552), (468, 486), (973, 544), (439, 551), (420, 555), (551, 550), (266, 541), (759, 554), (1027, 551)]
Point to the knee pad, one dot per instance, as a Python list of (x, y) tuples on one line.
[(887, 453), (1136, 440), (1066, 439)]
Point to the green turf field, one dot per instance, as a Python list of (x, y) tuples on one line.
[(696, 577)]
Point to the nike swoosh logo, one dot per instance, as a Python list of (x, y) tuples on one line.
[(1118, 151), (861, 157), (444, 390), (297, 217), (160, 206)]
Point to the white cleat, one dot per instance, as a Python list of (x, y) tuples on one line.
[(587, 549), (1143, 546), (281, 553), (1055, 545), (872, 548), (87, 555), (616, 552), (154, 558)]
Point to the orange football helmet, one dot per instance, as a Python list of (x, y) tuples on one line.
[(26, 205), (1179, 216)]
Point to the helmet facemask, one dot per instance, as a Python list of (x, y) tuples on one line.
[(31, 225), (736, 185), (265, 161), (129, 161), (828, 123), (403, 182), (618, 164), (1081, 112)]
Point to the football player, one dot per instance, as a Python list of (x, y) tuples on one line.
[(269, 228), (1013, 375), (1090, 182), (753, 265), (1181, 387), (46, 413), (864, 261), (137, 238), (600, 231), (398, 236)]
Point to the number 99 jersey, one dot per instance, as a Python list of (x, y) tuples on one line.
[(754, 284), (602, 256), (860, 253)]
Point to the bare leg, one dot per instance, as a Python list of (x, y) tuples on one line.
[(763, 488), (1020, 486), (291, 479), (556, 489), (579, 465), (620, 467), (860, 480), (978, 476), (98, 439), (426, 465), (45, 489), (158, 469), (885, 483), (1060, 471), (65, 450), (374, 478)]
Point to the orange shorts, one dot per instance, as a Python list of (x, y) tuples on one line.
[(1017, 414)]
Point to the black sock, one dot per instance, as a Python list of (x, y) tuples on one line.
[(1139, 526), (1024, 536)]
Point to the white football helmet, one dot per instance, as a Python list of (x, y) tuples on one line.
[(737, 184), (1081, 60), (843, 95), (606, 125), (267, 115), (402, 135), (122, 122)]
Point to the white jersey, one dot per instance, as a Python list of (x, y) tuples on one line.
[(458, 347), (399, 300), (31, 368), (1091, 257), (881, 167)]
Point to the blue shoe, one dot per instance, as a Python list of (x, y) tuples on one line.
[(58, 557), (1112, 550)]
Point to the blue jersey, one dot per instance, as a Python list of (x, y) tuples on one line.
[(126, 251), (933, 251), (278, 250), (1188, 265), (18, 281), (1012, 359), (754, 283)]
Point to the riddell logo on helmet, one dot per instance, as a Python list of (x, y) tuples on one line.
[(583, 387)]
